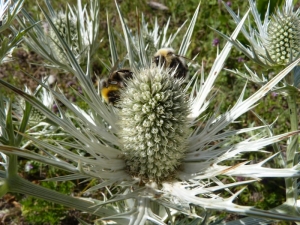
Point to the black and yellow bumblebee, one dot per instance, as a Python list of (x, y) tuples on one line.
[(167, 58), (110, 87)]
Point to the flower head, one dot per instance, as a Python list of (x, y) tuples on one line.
[(229, 3), (153, 124), (284, 35), (67, 29), (216, 42), (275, 40), (77, 26)]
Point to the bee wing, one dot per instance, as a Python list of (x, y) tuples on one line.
[(180, 66), (125, 73)]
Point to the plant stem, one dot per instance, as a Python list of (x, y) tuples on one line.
[(291, 183)]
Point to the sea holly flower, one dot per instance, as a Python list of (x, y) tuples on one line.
[(77, 26), (275, 40), (102, 152), (66, 26), (159, 153), (284, 35), (153, 124)]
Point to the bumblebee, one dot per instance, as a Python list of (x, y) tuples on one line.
[(166, 57), (110, 87)]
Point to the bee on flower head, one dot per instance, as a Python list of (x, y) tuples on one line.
[(110, 87), (167, 58)]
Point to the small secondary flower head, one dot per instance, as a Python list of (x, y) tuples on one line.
[(67, 29), (275, 40), (284, 36)]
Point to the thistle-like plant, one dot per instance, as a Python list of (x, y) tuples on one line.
[(78, 26), (159, 154), (275, 44), (275, 40), (284, 35)]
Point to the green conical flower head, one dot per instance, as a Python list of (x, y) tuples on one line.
[(284, 37), (154, 124), (68, 31)]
